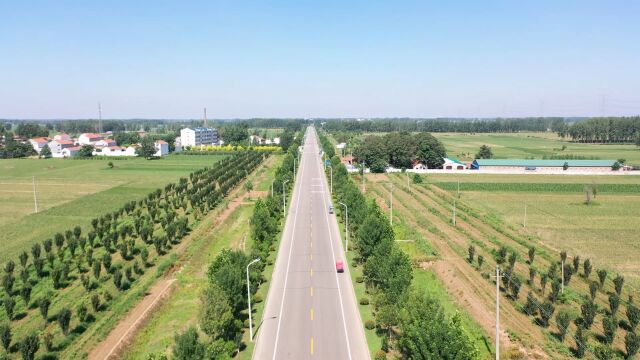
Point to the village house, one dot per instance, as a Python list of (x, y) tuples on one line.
[(162, 148), (57, 145), (38, 143), (453, 164), (70, 151), (89, 138), (104, 143), (62, 136)]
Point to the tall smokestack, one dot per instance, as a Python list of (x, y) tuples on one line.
[(205, 117)]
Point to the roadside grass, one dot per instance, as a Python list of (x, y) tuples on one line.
[(72, 192)]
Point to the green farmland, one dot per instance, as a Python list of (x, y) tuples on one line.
[(72, 192), (605, 230), (532, 146)]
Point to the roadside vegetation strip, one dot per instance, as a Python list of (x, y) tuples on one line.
[(405, 318), (508, 255), (77, 278), (223, 317)]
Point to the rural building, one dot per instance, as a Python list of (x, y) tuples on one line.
[(89, 138), (70, 151), (57, 145), (417, 165), (347, 160), (62, 136), (162, 148), (255, 139), (38, 143), (104, 143), (198, 136), (453, 164), (524, 165)]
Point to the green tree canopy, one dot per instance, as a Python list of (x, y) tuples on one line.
[(85, 151), (147, 148), (484, 152), (45, 152), (425, 332), (429, 150)]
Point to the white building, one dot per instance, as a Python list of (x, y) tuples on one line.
[(104, 143), (177, 144), (198, 136), (57, 145), (162, 148), (62, 136), (89, 138), (70, 151), (38, 143)]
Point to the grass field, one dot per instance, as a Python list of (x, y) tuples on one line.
[(532, 145), (605, 231), (72, 192)]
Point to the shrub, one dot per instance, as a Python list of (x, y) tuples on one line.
[(618, 281), (593, 290), (29, 346), (64, 319), (610, 325), (631, 344), (602, 276), (586, 266), (370, 324), (359, 279), (43, 304), (9, 306), (257, 298), (364, 301), (95, 302), (5, 336), (380, 355), (47, 339)]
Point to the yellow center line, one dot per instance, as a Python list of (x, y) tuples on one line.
[(311, 314), (311, 289), (312, 345), (311, 272)]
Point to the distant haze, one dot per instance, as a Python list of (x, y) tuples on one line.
[(240, 59)]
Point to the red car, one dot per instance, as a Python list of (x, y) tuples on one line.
[(339, 266)]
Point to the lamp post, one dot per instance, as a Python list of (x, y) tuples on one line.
[(294, 167), (331, 182), (249, 300), (346, 226), (284, 199)]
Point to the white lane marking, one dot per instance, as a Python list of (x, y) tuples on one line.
[(286, 276), (333, 256)]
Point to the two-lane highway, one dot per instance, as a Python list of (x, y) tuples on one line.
[(311, 310)]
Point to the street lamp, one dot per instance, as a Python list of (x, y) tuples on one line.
[(346, 226), (249, 300), (284, 198), (294, 167), (331, 186)]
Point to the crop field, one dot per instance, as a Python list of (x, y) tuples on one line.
[(71, 192), (488, 220), (556, 214), (532, 145)]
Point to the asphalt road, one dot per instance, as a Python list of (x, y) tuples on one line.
[(311, 310)]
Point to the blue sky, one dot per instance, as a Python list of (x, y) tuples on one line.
[(169, 59)]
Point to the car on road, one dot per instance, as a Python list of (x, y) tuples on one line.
[(330, 209), (339, 266)]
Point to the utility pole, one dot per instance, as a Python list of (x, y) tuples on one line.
[(284, 199), (249, 300), (498, 276), (331, 187), (35, 197), (99, 118), (294, 167), (391, 204), (364, 166), (562, 283), (454, 212), (346, 226)]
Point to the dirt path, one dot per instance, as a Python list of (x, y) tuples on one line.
[(114, 345)]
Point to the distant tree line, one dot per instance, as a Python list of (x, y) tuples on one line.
[(603, 130), (400, 149), (506, 125)]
